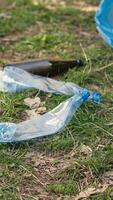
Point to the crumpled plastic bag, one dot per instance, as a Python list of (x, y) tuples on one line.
[(14, 79), (104, 20)]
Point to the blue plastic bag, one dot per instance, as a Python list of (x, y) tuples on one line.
[(14, 80), (104, 20)]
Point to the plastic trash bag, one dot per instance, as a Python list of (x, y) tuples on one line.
[(104, 20), (14, 80)]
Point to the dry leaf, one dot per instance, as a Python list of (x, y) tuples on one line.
[(36, 107), (32, 103), (108, 177), (31, 113), (41, 110), (86, 150), (91, 191), (34, 113), (107, 181)]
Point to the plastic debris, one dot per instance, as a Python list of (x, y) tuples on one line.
[(104, 20), (15, 79)]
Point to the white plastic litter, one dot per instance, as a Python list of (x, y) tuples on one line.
[(14, 80)]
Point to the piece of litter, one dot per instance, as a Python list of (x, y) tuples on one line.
[(14, 80), (104, 20), (1, 80)]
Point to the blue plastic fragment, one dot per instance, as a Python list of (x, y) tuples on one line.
[(96, 97), (85, 94), (104, 20)]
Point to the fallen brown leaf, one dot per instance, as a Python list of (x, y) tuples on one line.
[(91, 191), (86, 150), (31, 113), (32, 103), (36, 107), (41, 110), (108, 178)]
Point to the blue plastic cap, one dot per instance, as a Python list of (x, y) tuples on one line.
[(96, 97), (85, 94)]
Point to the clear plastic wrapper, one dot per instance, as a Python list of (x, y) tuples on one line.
[(14, 80), (104, 20)]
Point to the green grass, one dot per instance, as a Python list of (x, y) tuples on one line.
[(65, 33)]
